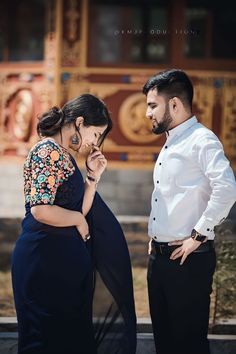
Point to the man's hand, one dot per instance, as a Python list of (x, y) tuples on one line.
[(187, 246)]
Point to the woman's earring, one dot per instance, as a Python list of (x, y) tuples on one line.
[(75, 139)]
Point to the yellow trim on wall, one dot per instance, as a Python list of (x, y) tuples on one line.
[(58, 33)]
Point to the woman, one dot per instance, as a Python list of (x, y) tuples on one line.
[(55, 256)]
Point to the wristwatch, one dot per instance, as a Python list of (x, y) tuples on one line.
[(197, 236)]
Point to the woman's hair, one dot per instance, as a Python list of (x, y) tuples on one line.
[(91, 108)]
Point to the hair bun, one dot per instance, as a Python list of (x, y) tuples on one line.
[(51, 122), (59, 112)]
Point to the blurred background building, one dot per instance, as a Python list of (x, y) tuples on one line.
[(54, 50)]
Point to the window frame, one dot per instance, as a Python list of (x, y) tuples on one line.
[(176, 20)]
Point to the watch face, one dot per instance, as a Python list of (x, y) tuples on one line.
[(200, 238)]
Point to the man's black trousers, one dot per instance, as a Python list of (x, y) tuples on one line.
[(179, 298)]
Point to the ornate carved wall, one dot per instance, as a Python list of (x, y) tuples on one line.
[(23, 97), (28, 90), (131, 139)]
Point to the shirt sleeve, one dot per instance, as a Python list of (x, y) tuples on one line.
[(215, 166), (50, 167)]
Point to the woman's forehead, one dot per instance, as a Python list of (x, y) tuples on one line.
[(100, 129)]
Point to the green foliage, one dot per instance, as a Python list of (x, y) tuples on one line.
[(224, 286)]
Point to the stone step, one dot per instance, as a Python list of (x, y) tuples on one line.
[(220, 344), (223, 327)]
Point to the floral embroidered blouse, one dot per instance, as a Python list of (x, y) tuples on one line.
[(46, 167)]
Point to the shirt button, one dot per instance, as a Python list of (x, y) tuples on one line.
[(157, 181), (160, 163), (154, 219), (208, 229), (165, 147), (155, 200)]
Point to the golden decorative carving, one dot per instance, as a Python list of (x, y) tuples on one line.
[(100, 90), (103, 91), (71, 45), (140, 157), (20, 103), (51, 50), (71, 53), (50, 41), (229, 126), (72, 15), (45, 99), (109, 143), (23, 115), (133, 122), (204, 100)]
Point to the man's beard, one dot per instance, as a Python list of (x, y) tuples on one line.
[(164, 124)]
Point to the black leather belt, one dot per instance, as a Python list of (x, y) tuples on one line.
[(164, 249)]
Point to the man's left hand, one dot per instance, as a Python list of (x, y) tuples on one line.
[(187, 246)]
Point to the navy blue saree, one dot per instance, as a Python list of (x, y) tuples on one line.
[(71, 296)]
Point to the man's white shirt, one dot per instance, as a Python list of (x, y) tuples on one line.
[(194, 185)]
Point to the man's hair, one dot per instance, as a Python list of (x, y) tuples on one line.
[(171, 83)]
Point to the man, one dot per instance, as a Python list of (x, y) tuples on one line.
[(194, 189)]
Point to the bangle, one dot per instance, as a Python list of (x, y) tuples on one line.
[(90, 178), (86, 237)]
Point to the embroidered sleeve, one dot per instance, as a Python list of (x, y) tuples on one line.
[(46, 168)]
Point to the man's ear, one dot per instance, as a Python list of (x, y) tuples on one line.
[(174, 102)]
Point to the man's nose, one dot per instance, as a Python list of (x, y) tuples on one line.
[(148, 114)]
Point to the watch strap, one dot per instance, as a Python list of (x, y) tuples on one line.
[(197, 236)]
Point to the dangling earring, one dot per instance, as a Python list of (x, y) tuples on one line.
[(75, 139)]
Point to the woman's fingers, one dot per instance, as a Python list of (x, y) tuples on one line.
[(101, 157), (94, 148), (95, 155)]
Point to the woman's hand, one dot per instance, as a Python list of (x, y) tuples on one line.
[(96, 162), (83, 228)]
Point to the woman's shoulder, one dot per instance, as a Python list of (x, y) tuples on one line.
[(48, 151), (45, 146)]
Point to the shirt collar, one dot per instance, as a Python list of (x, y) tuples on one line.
[(181, 127)]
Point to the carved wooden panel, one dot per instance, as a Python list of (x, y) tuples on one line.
[(131, 138), (71, 31), (23, 98), (65, 74)]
